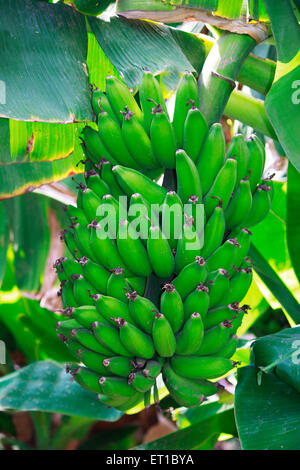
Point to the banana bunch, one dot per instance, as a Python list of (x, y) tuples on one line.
[(121, 334)]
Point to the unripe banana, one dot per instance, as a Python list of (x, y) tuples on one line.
[(95, 147), (163, 336), (100, 103), (81, 290), (140, 382), (65, 327), (221, 314), (90, 203), (214, 231), (132, 402), (239, 206), (68, 267), (191, 336), (188, 181), (138, 284), (243, 238), (152, 368), (163, 138), (229, 348), (115, 387), (119, 365), (132, 250), (188, 246), (109, 178), (171, 306), (109, 337), (213, 146), (141, 311), (261, 205), (85, 377), (88, 340), (159, 252), (238, 286), (222, 187), (196, 367), (119, 96), (85, 315), (190, 277), (184, 391), (96, 184), (82, 241), (136, 341), (186, 94), (194, 132), (214, 339), (256, 161), (172, 216), (225, 256), (113, 139), (95, 274), (117, 285), (89, 358), (69, 239), (238, 150), (197, 301), (77, 215), (132, 181), (110, 308), (218, 287), (150, 95), (138, 142)]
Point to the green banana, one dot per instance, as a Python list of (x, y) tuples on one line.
[(163, 336), (95, 274), (82, 241), (229, 348), (194, 132), (171, 307), (90, 359), (256, 161), (77, 215), (69, 239), (141, 311), (90, 203), (214, 231), (186, 94), (212, 156), (101, 102), (239, 285), (96, 184), (225, 256), (95, 147), (188, 246), (65, 268), (85, 377), (115, 387), (119, 96), (188, 181), (190, 276), (239, 206), (136, 341), (117, 285), (132, 250), (113, 139), (162, 138), (86, 315), (152, 368), (140, 382), (197, 367), (119, 365), (261, 205), (109, 178), (110, 308), (137, 142), (150, 95), (138, 284), (197, 301), (67, 326), (222, 187), (191, 336), (238, 150), (66, 294), (221, 314), (214, 339), (88, 340), (132, 181), (184, 391), (218, 287), (243, 238), (109, 337), (81, 290), (172, 214), (159, 252)]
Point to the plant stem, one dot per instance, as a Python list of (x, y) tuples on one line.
[(219, 73), (250, 111), (42, 424), (256, 73)]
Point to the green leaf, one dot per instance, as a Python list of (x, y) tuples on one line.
[(98, 64), (39, 41), (267, 416), (257, 10), (131, 45), (280, 353), (4, 239), (91, 7), (201, 4), (275, 284), (201, 435), (45, 386), (292, 222), (230, 9)]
